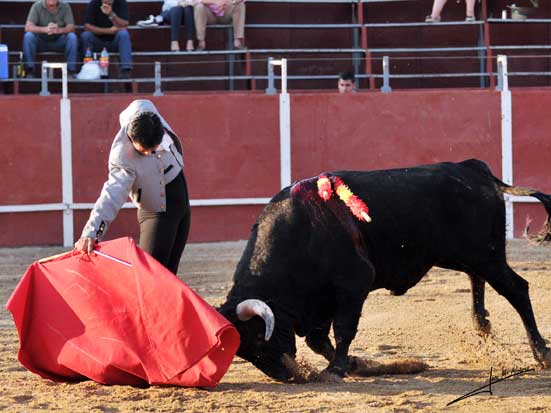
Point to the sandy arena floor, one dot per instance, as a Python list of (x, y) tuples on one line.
[(431, 322)]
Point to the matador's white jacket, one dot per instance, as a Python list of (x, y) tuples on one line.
[(143, 177)]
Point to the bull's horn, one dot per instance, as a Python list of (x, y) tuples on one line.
[(249, 308)]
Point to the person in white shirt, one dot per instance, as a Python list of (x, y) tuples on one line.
[(176, 13), (145, 162)]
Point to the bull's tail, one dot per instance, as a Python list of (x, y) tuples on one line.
[(544, 235)]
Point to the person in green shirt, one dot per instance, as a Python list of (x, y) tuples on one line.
[(50, 27)]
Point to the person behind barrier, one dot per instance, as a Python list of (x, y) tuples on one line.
[(50, 26), (438, 5), (346, 82), (146, 161), (106, 25), (175, 12), (220, 11)]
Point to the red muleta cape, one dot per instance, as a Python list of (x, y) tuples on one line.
[(134, 322)]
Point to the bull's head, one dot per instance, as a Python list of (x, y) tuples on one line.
[(255, 322)]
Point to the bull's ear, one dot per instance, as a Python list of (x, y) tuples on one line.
[(247, 309)]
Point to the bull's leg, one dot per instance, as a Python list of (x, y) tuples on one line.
[(345, 326), (515, 289), (351, 292), (479, 311), (318, 340)]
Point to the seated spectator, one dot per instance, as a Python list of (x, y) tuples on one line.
[(346, 83), (438, 5), (175, 12), (106, 26), (50, 27), (220, 11)]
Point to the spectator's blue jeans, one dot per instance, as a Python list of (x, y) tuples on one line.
[(120, 43), (66, 43), (176, 16)]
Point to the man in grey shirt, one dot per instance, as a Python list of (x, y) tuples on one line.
[(50, 27)]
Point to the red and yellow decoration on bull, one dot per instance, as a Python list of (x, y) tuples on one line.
[(324, 188), (358, 208)]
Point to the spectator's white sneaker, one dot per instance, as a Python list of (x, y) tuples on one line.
[(151, 21)]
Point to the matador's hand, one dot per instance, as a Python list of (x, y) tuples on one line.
[(86, 245)]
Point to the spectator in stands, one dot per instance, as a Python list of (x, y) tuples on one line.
[(106, 25), (145, 162), (220, 11), (346, 83), (50, 27), (175, 12), (438, 5)]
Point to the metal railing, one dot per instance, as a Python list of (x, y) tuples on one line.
[(386, 76), (362, 58)]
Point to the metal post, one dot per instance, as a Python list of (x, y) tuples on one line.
[(158, 91), (284, 119), (66, 171), (231, 60), (231, 71), (482, 57), (502, 74), (283, 63), (283, 76), (44, 79), (506, 140), (356, 45), (499, 86), (64, 89), (285, 138), (270, 90), (386, 76)]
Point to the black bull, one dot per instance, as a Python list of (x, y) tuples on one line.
[(309, 264)]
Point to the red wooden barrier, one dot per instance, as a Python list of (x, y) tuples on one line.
[(231, 148)]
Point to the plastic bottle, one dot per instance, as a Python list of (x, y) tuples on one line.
[(20, 66), (88, 55), (104, 63)]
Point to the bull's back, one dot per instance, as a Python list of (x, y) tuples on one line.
[(445, 214)]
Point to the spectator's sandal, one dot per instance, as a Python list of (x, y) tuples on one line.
[(430, 19), (174, 46), (470, 19)]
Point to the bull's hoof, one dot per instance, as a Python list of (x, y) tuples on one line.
[(483, 326), (354, 364), (330, 376), (481, 323), (336, 370), (545, 359)]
